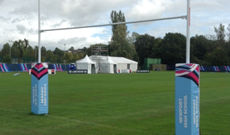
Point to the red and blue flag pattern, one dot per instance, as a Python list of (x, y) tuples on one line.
[(4, 67), (24, 67), (189, 71)]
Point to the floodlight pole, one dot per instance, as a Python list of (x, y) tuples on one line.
[(39, 34), (10, 46), (64, 56), (188, 33)]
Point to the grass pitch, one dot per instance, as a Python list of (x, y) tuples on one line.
[(110, 104)]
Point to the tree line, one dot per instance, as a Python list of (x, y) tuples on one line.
[(205, 49), (21, 52)]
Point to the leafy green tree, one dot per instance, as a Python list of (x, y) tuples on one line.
[(43, 59), (14, 52), (228, 42), (218, 57), (28, 55), (115, 18), (220, 33), (21, 45), (7, 59), (68, 57), (78, 56), (173, 48), (36, 53), (228, 34), (6, 49), (118, 40), (56, 59), (71, 49), (31, 53), (144, 46), (200, 45), (220, 46), (84, 49), (50, 56), (59, 54), (119, 45), (25, 57), (133, 37), (43, 54), (1, 57)]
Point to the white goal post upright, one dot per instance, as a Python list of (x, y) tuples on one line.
[(39, 80), (188, 33), (187, 91), (39, 34)]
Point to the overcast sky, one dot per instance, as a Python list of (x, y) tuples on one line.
[(19, 19)]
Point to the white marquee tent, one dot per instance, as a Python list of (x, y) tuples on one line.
[(86, 63), (112, 66), (108, 64), (124, 63)]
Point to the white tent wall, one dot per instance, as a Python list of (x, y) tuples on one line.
[(131, 66), (111, 65), (122, 66), (84, 66), (103, 64), (105, 68), (111, 68), (124, 63), (97, 60), (86, 63)]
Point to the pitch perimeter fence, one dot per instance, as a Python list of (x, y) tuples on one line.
[(26, 67), (23, 67), (207, 68)]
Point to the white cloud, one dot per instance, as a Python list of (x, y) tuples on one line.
[(146, 9)]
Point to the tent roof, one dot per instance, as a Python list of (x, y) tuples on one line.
[(110, 60), (85, 60), (114, 60), (122, 60)]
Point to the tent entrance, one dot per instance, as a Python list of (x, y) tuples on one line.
[(93, 69), (115, 68)]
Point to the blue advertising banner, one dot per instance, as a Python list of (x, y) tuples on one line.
[(39, 88), (187, 99)]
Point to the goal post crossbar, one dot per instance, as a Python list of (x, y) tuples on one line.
[(119, 23)]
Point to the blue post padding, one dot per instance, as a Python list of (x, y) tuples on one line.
[(39, 89), (187, 99)]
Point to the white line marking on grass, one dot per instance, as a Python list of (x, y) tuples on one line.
[(9, 110), (82, 122), (78, 121), (92, 123)]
